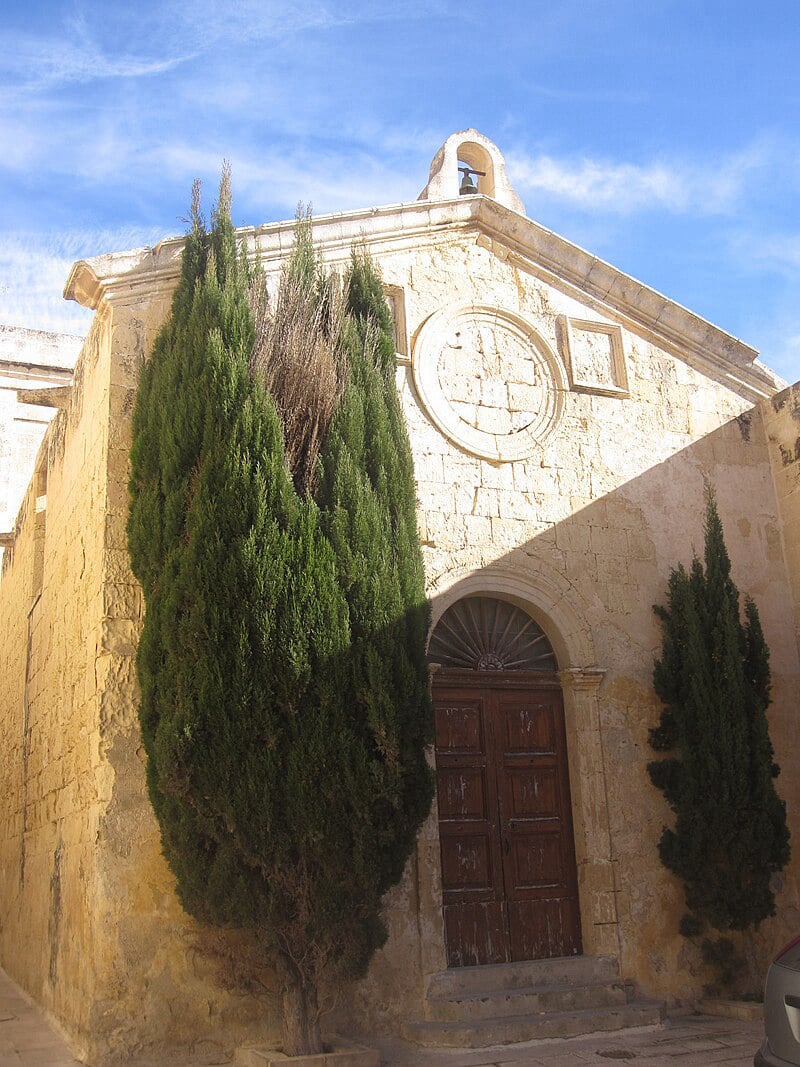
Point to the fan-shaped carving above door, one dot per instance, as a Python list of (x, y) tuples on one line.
[(485, 634)]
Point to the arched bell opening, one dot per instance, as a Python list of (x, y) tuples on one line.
[(479, 166), (470, 149), (509, 874)]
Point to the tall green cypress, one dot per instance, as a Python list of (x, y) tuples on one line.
[(284, 703), (368, 500), (730, 833)]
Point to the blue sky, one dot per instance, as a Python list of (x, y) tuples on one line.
[(661, 135)]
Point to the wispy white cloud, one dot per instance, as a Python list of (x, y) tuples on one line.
[(329, 180), (106, 43), (232, 104), (624, 187), (36, 63), (34, 268), (256, 20), (154, 41), (211, 23), (777, 335), (767, 262), (776, 251)]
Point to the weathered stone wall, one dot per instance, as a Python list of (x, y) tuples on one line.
[(29, 359), (89, 921), (781, 415), (168, 981), (593, 523), (51, 597), (780, 425), (582, 531)]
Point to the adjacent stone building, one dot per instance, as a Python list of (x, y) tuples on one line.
[(564, 419), (35, 368)]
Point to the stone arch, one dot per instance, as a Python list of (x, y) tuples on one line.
[(546, 595), (477, 158), (490, 634), (555, 605), (478, 152)]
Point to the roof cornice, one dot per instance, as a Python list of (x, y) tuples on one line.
[(127, 277)]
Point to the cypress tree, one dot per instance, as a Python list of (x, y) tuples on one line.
[(367, 496), (730, 833), (284, 702)]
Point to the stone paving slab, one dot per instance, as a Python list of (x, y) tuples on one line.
[(27, 1039), (690, 1040)]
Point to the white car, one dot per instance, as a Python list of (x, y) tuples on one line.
[(781, 1046)]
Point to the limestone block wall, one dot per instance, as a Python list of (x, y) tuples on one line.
[(89, 921), (29, 359), (167, 981), (51, 605), (781, 415), (581, 531), (584, 532), (780, 421)]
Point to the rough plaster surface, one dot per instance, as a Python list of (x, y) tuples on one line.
[(582, 531)]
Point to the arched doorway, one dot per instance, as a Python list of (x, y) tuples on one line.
[(509, 881)]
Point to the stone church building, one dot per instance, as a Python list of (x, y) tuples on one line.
[(564, 420)]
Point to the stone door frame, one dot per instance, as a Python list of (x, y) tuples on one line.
[(507, 920), (549, 599)]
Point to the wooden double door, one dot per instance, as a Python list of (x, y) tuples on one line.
[(509, 878)]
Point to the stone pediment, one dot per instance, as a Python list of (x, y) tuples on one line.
[(127, 277)]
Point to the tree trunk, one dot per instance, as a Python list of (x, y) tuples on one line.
[(301, 1030), (755, 976)]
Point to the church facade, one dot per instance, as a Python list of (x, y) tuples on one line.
[(565, 420)]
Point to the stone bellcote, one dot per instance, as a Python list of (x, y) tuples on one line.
[(470, 149)]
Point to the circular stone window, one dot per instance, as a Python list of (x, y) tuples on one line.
[(488, 381)]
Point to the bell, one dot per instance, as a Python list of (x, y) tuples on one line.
[(468, 186)]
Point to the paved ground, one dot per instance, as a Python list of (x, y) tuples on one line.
[(28, 1040), (693, 1040)]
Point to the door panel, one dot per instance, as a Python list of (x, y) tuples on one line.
[(467, 861), (508, 863), (527, 725), (534, 792), (476, 933), (535, 863), (540, 878), (462, 792), (472, 876), (460, 726), (541, 929)]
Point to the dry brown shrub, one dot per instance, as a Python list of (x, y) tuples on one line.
[(300, 355)]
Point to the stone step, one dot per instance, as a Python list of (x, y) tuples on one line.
[(483, 1033), (567, 970), (533, 1000)]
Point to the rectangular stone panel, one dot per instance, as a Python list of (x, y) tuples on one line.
[(595, 356)]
